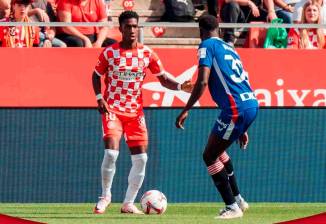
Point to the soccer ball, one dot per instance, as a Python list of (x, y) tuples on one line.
[(153, 202)]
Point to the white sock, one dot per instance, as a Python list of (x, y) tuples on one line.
[(238, 198), (108, 171), (136, 176)]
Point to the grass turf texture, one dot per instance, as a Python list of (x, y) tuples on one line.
[(176, 213)]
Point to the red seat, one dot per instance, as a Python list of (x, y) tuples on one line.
[(256, 36)]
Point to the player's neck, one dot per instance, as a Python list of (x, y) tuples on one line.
[(209, 35), (128, 44)]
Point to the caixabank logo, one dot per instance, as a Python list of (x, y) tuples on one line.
[(279, 78)]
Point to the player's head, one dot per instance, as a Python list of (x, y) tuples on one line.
[(208, 26), (128, 25)]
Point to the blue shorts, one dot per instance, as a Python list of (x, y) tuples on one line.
[(230, 127)]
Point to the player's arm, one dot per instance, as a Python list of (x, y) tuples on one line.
[(101, 104), (96, 81), (199, 88), (156, 67), (101, 69), (173, 85)]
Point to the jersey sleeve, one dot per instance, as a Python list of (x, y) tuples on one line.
[(293, 39), (205, 55), (101, 67), (155, 64)]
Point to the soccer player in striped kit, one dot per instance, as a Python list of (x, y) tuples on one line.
[(220, 69), (124, 65)]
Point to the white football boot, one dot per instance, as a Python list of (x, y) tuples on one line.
[(243, 205), (101, 205), (130, 208), (230, 213)]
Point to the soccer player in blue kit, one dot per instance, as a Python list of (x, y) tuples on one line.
[(220, 69)]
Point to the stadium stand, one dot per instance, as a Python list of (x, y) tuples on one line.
[(151, 11)]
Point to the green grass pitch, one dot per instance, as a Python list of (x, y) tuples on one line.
[(188, 213)]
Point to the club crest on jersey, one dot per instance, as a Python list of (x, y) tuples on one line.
[(202, 52)]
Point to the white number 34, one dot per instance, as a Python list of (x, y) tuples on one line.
[(239, 75)]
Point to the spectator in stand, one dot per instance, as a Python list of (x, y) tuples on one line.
[(4, 4), (244, 11), (307, 38), (19, 36), (212, 8), (4, 8), (297, 14), (284, 9), (83, 11), (42, 11)]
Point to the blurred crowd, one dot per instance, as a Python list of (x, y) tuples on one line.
[(275, 11), (227, 11), (54, 11)]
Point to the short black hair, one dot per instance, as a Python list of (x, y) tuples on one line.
[(208, 22), (128, 15)]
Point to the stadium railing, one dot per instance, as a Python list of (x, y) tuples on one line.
[(163, 24)]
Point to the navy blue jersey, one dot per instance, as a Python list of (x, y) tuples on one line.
[(228, 81)]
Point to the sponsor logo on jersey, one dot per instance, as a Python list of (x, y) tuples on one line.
[(221, 125), (129, 75)]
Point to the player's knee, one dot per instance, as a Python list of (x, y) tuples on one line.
[(111, 155)]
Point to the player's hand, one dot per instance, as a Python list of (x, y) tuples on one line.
[(102, 106), (243, 140), (187, 86), (181, 119)]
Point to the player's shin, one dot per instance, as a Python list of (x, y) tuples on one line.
[(136, 176), (222, 184), (232, 179), (108, 170)]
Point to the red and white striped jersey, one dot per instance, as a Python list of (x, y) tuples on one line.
[(124, 71), (294, 37)]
